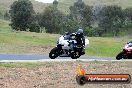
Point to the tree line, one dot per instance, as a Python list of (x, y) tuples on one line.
[(95, 22)]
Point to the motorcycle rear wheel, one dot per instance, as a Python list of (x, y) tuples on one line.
[(74, 55)]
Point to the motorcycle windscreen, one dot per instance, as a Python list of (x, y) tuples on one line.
[(86, 42)]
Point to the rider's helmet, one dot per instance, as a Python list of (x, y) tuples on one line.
[(67, 33), (130, 44), (80, 32)]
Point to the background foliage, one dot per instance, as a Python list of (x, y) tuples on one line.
[(99, 20)]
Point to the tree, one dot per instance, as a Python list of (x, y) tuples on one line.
[(81, 13), (7, 16), (51, 19), (1, 15), (128, 17), (89, 31), (87, 16), (69, 25), (111, 19), (55, 3), (34, 27), (128, 13), (21, 13)]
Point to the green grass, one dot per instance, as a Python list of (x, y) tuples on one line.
[(106, 47), (4, 27), (20, 42), (27, 38), (51, 64), (19, 65), (7, 36), (31, 64)]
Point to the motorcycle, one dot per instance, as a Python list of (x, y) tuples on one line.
[(126, 53), (68, 48)]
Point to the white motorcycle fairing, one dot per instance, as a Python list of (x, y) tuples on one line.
[(65, 43), (86, 42)]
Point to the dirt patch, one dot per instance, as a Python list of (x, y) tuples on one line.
[(39, 49), (26, 49), (60, 74)]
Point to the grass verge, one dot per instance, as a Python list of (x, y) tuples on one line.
[(59, 74)]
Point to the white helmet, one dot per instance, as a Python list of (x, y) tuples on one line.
[(130, 44)]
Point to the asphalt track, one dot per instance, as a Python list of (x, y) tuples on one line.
[(44, 58)]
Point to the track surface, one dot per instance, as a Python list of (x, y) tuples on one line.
[(34, 58)]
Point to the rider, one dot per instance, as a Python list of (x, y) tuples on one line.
[(79, 36)]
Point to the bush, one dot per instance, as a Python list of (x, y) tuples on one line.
[(89, 32), (34, 27)]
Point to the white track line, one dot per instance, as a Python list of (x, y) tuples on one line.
[(58, 60)]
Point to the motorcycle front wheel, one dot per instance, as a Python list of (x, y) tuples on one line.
[(120, 56), (53, 53)]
